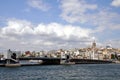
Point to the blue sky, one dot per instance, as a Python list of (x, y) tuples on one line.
[(56, 24), (20, 9)]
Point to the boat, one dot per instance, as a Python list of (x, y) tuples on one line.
[(36, 61), (68, 63), (65, 62), (13, 65)]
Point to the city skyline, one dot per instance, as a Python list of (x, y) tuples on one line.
[(56, 24)]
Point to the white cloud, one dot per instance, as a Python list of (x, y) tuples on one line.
[(105, 20), (74, 10), (16, 27), (21, 34), (79, 11), (116, 3), (39, 4)]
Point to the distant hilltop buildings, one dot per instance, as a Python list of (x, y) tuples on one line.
[(107, 53)]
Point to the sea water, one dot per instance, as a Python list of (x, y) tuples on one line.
[(62, 72)]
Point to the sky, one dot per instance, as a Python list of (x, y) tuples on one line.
[(58, 24)]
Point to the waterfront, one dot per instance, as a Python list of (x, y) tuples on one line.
[(62, 72)]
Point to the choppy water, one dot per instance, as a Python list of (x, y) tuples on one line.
[(62, 72)]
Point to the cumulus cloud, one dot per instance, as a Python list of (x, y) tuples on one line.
[(116, 3), (79, 11), (22, 35), (39, 4), (74, 10), (105, 20)]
